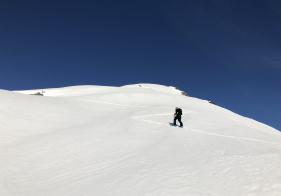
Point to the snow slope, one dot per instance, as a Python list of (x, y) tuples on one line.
[(116, 141)]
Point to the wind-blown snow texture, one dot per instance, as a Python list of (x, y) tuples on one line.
[(116, 141)]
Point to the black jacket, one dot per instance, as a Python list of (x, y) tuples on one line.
[(178, 112)]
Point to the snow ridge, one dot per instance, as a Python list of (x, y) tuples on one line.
[(98, 140)]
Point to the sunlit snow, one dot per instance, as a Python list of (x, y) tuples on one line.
[(117, 141)]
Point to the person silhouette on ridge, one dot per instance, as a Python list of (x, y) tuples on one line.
[(177, 116)]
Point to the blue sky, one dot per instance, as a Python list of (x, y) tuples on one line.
[(228, 51)]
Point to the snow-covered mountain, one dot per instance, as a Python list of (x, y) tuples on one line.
[(117, 141)]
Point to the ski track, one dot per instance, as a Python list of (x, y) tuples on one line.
[(142, 118), (115, 104), (204, 132)]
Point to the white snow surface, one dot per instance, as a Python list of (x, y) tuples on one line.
[(117, 141)]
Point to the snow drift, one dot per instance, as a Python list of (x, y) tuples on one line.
[(116, 141)]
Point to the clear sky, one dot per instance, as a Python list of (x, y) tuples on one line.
[(228, 51)]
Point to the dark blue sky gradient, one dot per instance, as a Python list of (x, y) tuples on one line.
[(228, 51)]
